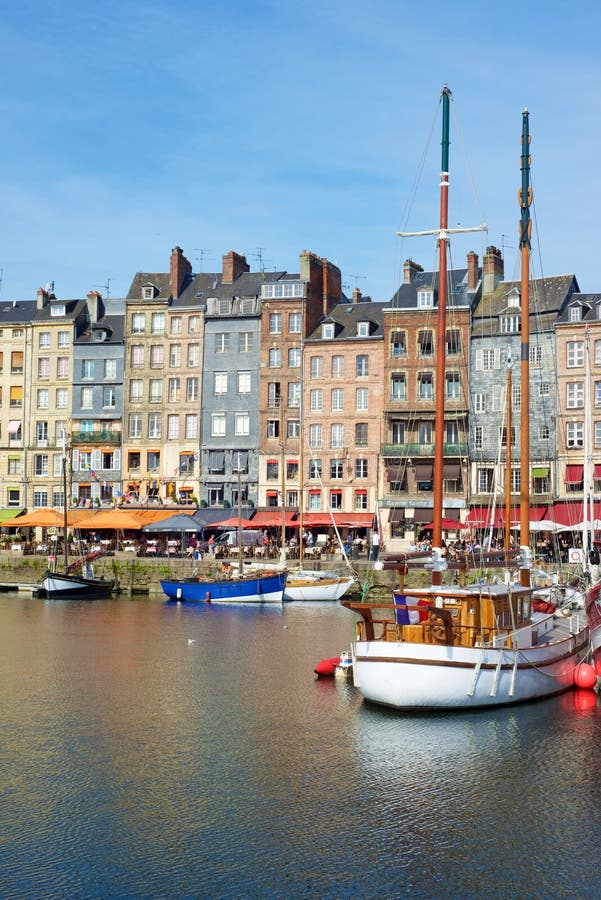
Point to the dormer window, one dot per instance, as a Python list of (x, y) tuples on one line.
[(513, 298), (99, 335), (57, 309), (327, 331), (425, 299), (149, 292), (224, 307), (509, 324), (362, 329), (575, 313)]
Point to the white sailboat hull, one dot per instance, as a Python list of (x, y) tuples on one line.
[(315, 588), (408, 675)]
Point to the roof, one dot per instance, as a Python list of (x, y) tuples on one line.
[(406, 295), (345, 317), (17, 311), (548, 297), (590, 304)]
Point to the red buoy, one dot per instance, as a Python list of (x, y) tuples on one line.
[(585, 676), (327, 667), (598, 665)]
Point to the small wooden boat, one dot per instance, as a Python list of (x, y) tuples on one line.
[(263, 587), (309, 585)]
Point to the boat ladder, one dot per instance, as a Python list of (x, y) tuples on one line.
[(513, 674), (477, 668), (495, 682)]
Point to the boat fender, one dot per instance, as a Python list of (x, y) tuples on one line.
[(585, 676), (178, 593), (327, 667), (208, 597)]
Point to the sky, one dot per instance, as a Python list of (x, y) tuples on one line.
[(270, 127)]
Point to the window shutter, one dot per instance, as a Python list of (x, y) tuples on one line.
[(75, 461)]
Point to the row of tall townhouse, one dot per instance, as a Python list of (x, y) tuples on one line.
[(272, 386)]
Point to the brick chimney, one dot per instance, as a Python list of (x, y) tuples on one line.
[(493, 269), (233, 265), (410, 269), (332, 285), (179, 268), (472, 271), (42, 298), (95, 306), (357, 296)]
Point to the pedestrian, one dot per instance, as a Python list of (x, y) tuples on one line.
[(375, 545)]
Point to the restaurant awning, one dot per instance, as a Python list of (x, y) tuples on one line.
[(340, 519), (397, 515), (423, 472), (451, 471), (597, 472), (574, 474), (272, 518)]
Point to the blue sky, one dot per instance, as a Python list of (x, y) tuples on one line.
[(130, 128)]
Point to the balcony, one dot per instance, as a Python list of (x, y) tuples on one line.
[(410, 450), (96, 437)]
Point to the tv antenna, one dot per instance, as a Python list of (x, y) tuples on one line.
[(203, 254), (357, 279), (105, 287), (258, 255)]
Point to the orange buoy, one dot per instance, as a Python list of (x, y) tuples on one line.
[(598, 667), (585, 676)]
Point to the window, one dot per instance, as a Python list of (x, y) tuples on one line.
[(157, 356), (191, 389), (157, 323), (453, 342), (138, 323), (293, 428), (314, 500), (575, 354), (275, 323), (485, 480), (544, 389), (224, 306), (193, 355), (62, 398), (244, 382), (273, 428), (452, 386), (362, 369), (275, 358), (398, 344), (503, 436), (154, 425), (175, 355), (362, 398), (597, 393), (335, 499), (14, 465), (273, 395), (515, 481), (398, 386), (314, 468), (360, 468), (598, 353), (136, 390), (137, 357), (597, 434), (478, 437), (336, 436), (40, 461), (40, 499), (44, 340), (541, 483), (173, 390), (87, 368), (425, 343), (220, 383), (191, 426), (316, 400), (336, 468), (544, 432), (490, 360), (193, 324), (63, 339), (218, 425), (362, 329), (294, 394), (272, 469), (291, 498), (337, 399), (42, 401), (16, 395), (575, 434), (575, 395), (315, 436), (110, 369), (155, 390), (425, 299), (222, 342), (43, 367), (242, 423), (41, 432), (337, 366), (135, 425), (294, 357), (245, 342), (425, 433), (172, 426), (509, 324), (327, 331), (186, 463), (536, 357), (292, 469), (294, 323), (175, 325), (153, 460), (109, 400), (425, 386), (360, 500), (62, 367), (361, 434), (316, 367), (575, 314)]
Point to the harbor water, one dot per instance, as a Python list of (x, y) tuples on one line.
[(158, 750)]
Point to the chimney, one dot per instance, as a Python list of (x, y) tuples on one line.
[(357, 297), (492, 270), (410, 269), (179, 268), (95, 306), (233, 265), (332, 286), (472, 271), (42, 298)]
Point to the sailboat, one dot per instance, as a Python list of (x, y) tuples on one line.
[(468, 645), (76, 580)]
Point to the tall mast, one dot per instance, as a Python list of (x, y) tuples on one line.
[(508, 426), (63, 444), (443, 232), (525, 199)]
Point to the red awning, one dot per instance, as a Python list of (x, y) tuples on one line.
[(341, 520), (273, 519), (571, 513), (272, 493), (574, 474), (597, 472)]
